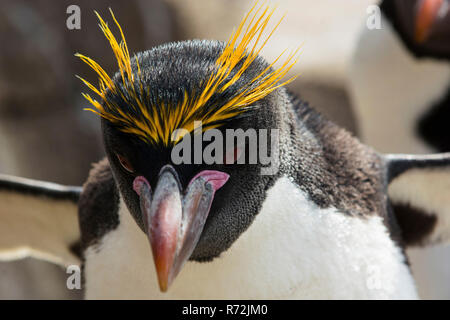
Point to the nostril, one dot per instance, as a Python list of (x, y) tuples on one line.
[(138, 182), (216, 178)]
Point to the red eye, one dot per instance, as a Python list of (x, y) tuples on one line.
[(125, 163)]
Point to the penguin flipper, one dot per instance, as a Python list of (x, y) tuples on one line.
[(38, 219), (419, 191)]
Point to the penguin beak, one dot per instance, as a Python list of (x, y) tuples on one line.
[(428, 12), (173, 219)]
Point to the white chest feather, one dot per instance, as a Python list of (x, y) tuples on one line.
[(293, 249)]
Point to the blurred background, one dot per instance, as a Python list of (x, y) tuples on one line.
[(44, 134)]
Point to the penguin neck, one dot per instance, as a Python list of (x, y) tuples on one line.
[(330, 165)]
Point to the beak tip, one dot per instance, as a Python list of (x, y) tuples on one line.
[(163, 287), (163, 274), (164, 283)]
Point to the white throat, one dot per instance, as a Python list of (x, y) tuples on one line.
[(293, 249)]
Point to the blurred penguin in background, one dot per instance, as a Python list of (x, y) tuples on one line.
[(399, 85)]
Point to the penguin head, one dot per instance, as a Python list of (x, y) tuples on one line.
[(423, 25), (171, 98)]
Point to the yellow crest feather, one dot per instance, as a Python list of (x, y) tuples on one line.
[(157, 127)]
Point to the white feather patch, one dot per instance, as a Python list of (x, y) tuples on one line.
[(429, 191)]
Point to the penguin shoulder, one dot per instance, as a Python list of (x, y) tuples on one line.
[(98, 204)]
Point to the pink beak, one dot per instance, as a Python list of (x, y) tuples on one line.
[(174, 222)]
